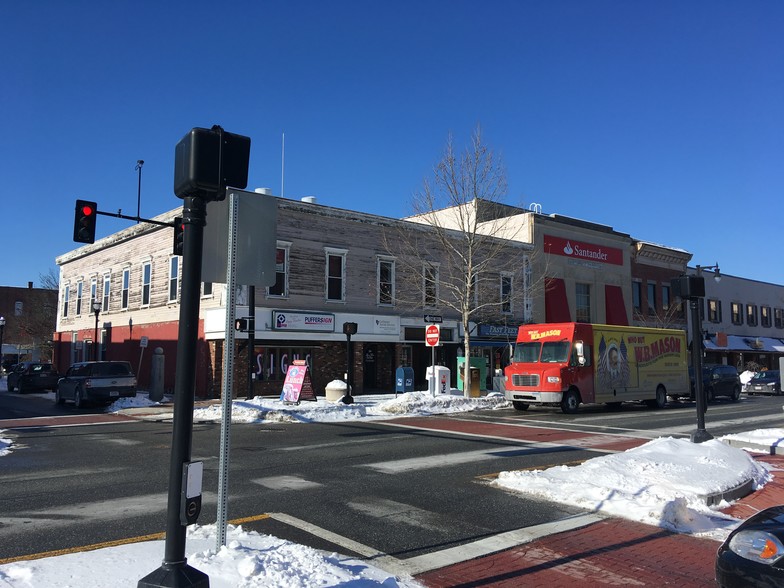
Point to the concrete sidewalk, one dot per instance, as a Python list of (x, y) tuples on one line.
[(611, 552)]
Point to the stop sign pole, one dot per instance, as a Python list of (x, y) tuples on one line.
[(432, 337)]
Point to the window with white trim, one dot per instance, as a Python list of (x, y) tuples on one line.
[(126, 285), (385, 275), (79, 294), (582, 303), (107, 288), (280, 288), (174, 278), (93, 293), (430, 285), (66, 299), (146, 280), (335, 274), (506, 293)]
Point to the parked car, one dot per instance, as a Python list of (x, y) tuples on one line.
[(96, 381), (753, 554), (718, 380), (767, 382), (32, 375)]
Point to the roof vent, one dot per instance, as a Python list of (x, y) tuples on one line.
[(309, 199), (266, 191)]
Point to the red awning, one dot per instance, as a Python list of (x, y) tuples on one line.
[(556, 306), (615, 309)]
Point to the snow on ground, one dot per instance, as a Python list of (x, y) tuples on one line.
[(662, 483)]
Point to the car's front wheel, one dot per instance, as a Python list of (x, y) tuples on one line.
[(21, 387), (520, 405), (570, 402), (58, 397), (735, 396), (709, 395), (78, 400)]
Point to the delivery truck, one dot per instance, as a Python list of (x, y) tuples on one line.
[(566, 364)]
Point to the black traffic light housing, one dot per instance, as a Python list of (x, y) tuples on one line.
[(208, 160), (84, 221), (688, 287), (179, 236), (241, 325)]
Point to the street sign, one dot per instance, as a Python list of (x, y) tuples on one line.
[(143, 342), (433, 318), (432, 335)]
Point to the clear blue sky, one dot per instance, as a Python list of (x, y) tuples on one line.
[(664, 120)]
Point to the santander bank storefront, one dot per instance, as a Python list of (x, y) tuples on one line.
[(585, 269)]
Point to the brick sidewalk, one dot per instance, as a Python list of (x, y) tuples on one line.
[(613, 552)]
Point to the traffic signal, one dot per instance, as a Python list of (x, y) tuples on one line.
[(179, 236), (241, 325), (84, 221)]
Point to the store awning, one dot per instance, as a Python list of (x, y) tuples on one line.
[(556, 305), (739, 343), (614, 308)]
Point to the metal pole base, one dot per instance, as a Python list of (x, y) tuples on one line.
[(179, 575), (347, 399), (700, 436)]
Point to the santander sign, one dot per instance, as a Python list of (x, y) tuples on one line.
[(582, 250)]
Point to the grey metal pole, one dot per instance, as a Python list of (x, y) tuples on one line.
[(251, 339)]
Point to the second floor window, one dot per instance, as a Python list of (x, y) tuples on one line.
[(79, 294), (281, 286), (765, 316), (107, 288), (583, 303), (778, 317), (665, 295), (386, 281), (336, 278), (506, 294), (66, 300), (93, 293), (174, 278), (651, 299), (737, 314), (637, 296), (751, 315), (430, 285), (126, 284), (146, 278), (714, 311)]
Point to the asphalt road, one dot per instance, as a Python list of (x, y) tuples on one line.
[(357, 488)]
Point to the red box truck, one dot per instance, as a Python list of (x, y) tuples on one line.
[(566, 364)]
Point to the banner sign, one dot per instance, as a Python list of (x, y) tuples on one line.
[(582, 250), (297, 385), (303, 321)]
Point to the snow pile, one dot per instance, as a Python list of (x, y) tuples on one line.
[(248, 559), (5, 445), (664, 482)]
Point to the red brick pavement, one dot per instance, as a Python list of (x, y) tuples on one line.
[(612, 552)]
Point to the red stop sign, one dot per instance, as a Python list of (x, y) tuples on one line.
[(432, 335)]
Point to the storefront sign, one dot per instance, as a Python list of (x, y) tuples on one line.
[(505, 331), (582, 250), (303, 321), (386, 325), (297, 385)]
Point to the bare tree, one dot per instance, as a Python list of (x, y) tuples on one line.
[(461, 250)]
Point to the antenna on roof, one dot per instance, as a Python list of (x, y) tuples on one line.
[(282, 162), (535, 207)]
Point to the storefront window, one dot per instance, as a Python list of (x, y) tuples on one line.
[(272, 363)]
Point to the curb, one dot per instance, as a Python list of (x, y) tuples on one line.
[(757, 447)]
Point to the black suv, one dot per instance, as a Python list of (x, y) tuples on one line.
[(32, 375), (718, 380)]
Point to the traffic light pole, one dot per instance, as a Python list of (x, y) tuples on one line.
[(174, 571)]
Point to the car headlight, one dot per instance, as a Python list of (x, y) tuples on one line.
[(759, 546), (553, 379)]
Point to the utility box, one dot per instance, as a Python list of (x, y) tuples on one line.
[(442, 378), (404, 379), (474, 390)]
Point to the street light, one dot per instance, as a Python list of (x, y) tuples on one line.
[(714, 268), (97, 311), (2, 330)]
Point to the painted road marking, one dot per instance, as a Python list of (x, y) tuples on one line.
[(450, 459), (115, 543), (399, 512), (286, 483)]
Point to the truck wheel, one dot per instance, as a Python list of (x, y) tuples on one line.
[(570, 402), (661, 399), (735, 394), (520, 405)]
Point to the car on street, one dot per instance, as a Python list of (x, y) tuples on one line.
[(767, 382), (753, 554), (96, 382), (718, 380), (29, 376)]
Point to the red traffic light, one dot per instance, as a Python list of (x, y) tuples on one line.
[(87, 210), (84, 221)]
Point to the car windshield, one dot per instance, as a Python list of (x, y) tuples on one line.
[(548, 352)]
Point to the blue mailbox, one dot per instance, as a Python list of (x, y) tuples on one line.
[(404, 379)]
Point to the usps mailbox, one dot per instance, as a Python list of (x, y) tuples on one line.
[(404, 379)]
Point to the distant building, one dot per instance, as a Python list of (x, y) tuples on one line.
[(30, 321)]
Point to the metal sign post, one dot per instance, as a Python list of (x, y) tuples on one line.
[(432, 338)]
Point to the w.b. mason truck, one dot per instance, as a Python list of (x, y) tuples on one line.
[(566, 364)]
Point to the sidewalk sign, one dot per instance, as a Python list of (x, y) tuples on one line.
[(297, 385)]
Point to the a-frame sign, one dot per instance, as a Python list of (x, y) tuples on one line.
[(297, 386)]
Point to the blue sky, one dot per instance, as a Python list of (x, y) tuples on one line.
[(664, 120)]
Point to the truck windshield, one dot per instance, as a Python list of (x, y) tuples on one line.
[(548, 352)]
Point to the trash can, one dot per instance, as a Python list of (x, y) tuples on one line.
[(404, 379), (476, 384)]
